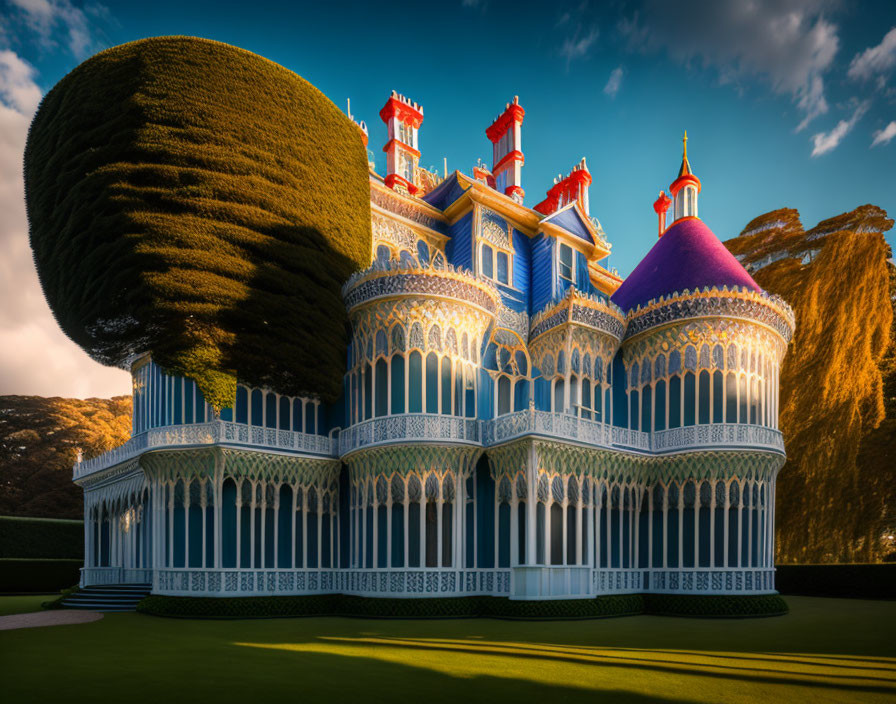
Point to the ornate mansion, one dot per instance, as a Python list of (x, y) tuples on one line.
[(516, 419)]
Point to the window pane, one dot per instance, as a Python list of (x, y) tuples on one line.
[(487, 264), (566, 261), (502, 268)]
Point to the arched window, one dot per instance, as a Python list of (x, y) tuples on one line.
[(432, 383), (257, 407), (415, 383), (397, 383), (660, 404), (503, 395), (704, 398), (718, 397), (283, 423), (270, 410), (422, 252), (383, 255), (675, 402), (587, 399), (559, 405), (646, 409), (446, 386), (382, 398), (242, 404)]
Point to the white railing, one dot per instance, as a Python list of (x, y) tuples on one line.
[(427, 427), (716, 434), (569, 427), (703, 580), (561, 425), (617, 580), (217, 432), (411, 427), (425, 581), (412, 582), (99, 576)]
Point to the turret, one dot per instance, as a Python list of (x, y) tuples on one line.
[(403, 119), (507, 162), (685, 188)]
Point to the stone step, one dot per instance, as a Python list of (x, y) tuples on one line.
[(108, 597)]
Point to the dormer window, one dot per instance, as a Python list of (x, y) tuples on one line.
[(564, 260), (495, 264)]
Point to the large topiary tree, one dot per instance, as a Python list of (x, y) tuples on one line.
[(194, 200)]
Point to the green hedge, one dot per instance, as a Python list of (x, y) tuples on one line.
[(365, 607), (41, 538), (198, 201), (859, 581), (37, 576), (464, 607), (715, 605), (600, 607)]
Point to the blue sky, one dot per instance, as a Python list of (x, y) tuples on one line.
[(782, 100)]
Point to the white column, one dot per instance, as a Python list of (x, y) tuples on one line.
[(376, 525), (292, 538), (389, 526), (439, 505), (579, 541), (406, 503), (531, 506), (305, 529), (203, 501), (170, 561), (514, 529), (665, 527), (239, 525), (712, 520), (252, 504)]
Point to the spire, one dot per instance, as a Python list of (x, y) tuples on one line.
[(685, 188), (685, 165)]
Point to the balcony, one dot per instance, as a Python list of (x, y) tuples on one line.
[(588, 432), (391, 280), (724, 435), (410, 428), (562, 426), (216, 432)]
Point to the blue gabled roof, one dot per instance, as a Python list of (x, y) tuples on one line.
[(571, 220), (445, 193)]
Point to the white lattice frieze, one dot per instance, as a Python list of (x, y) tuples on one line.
[(420, 460)]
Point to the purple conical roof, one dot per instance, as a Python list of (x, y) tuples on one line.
[(687, 256)]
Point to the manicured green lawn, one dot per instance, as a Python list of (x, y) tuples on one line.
[(826, 650), (22, 604)]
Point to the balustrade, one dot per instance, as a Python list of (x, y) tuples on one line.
[(411, 427), (217, 432)]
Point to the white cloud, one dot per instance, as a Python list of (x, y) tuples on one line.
[(577, 47), (44, 17), (35, 356), (885, 136), (824, 142), (876, 59), (614, 82), (788, 43)]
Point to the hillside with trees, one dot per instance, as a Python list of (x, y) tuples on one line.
[(836, 495), (39, 443)]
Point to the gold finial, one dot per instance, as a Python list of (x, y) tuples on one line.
[(684, 142)]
